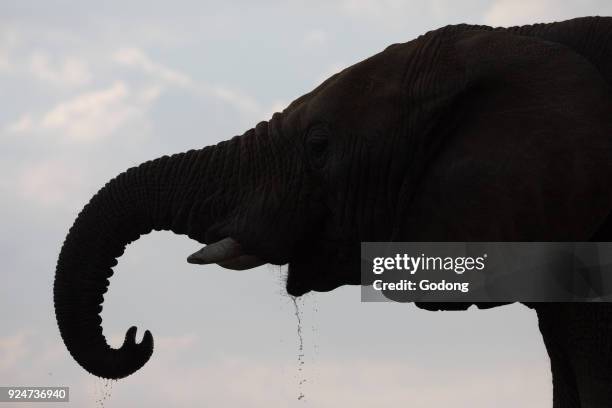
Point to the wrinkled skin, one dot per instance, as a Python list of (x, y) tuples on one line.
[(467, 133)]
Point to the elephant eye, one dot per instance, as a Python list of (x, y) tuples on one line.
[(317, 144)]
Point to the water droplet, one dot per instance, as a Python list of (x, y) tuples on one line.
[(300, 359), (103, 389)]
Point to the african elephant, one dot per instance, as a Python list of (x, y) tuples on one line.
[(467, 133)]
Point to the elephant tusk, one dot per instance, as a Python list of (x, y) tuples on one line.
[(226, 253)]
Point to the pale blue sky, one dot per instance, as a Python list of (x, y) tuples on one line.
[(92, 88)]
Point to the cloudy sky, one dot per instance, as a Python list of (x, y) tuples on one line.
[(92, 88)]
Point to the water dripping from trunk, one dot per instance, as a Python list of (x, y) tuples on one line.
[(315, 344), (300, 359), (315, 310), (104, 393)]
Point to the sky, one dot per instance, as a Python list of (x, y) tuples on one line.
[(93, 88)]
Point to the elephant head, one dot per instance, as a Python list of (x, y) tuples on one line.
[(465, 133)]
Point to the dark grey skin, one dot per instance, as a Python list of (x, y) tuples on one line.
[(466, 133)]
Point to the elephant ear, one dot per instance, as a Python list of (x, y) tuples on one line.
[(518, 146)]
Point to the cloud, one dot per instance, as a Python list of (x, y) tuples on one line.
[(239, 100), (49, 183), (24, 124), (236, 380), (94, 115), (70, 71), (90, 116), (136, 58), (359, 383), (8, 42), (13, 349)]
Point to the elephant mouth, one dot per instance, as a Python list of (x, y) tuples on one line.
[(321, 269), (313, 263), (297, 285), (304, 275)]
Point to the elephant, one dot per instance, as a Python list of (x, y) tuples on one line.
[(466, 133)]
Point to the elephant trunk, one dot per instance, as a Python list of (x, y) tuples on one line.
[(176, 193)]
